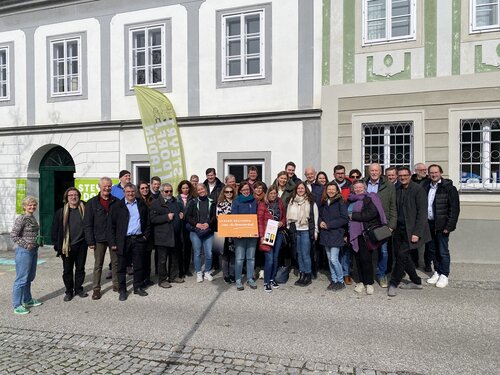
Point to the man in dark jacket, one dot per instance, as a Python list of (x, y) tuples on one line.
[(128, 230), (96, 214), (166, 223), (69, 242), (213, 184), (412, 230), (386, 191), (442, 213)]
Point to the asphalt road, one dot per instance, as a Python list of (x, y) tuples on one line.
[(454, 330)]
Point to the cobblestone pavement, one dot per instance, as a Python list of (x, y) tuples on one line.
[(39, 352)]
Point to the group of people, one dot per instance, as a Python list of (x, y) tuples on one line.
[(320, 223)]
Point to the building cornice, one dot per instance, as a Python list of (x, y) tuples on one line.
[(114, 125), (20, 6)]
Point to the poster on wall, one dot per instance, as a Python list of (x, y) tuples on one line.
[(20, 194), (89, 187), (163, 139)]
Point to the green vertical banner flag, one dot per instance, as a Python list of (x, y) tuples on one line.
[(162, 136), (20, 194)]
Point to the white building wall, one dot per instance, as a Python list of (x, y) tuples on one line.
[(278, 96), (125, 106), (16, 115), (82, 110)]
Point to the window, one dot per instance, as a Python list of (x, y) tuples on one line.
[(147, 56), (388, 21), (480, 153), (244, 46), (66, 70), (4, 74), (389, 144), (485, 15), (239, 168)]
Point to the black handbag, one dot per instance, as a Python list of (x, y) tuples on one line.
[(379, 233)]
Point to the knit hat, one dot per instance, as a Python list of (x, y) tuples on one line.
[(123, 173)]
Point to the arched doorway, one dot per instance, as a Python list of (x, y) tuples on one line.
[(56, 175)]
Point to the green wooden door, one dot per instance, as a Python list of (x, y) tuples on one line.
[(56, 175)]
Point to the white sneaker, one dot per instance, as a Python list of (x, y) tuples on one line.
[(442, 282), (433, 280), (199, 277), (359, 288), (261, 274), (369, 289), (208, 276)]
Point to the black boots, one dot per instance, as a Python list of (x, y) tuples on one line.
[(300, 281), (304, 279)]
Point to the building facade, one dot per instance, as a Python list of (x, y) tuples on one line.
[(319, 82)]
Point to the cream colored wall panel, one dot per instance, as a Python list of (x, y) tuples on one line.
[(436, 140), (345, 130), (336, 43), (444, 37), (281, 94), (125, 106)]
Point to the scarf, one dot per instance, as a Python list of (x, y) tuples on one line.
[(184, 198), (356, 227), (66, 246), (242, 199), (298, 210)]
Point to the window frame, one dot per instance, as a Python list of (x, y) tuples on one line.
[(484, 163), (262, 158), (66, 58), (387, 145), (265, 46), (166, 64), (473, 28), (8, 100), (82, 93), (388, 25)]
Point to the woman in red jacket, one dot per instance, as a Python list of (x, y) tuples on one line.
[(271, 209)]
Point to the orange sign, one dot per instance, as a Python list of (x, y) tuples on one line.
[(240, 225)]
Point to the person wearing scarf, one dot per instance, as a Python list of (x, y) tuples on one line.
[(365, 211), (244, 247), (332, 220), (224, 204), (69, 242), (302, 220)]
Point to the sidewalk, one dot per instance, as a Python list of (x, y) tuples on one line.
[(208, 327)]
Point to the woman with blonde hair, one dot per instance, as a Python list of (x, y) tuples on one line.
[(24, 234)]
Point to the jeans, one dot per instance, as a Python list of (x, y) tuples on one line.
[(304, 251), (25, 273), (438, 251), (207, 243), (346, 259), (271, 259), (336, 273), (245, 248), (382, 260)]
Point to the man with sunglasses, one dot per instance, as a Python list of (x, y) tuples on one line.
[(166, 221)]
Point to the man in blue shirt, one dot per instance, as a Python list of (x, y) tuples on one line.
[(128, 228), (117, 190)]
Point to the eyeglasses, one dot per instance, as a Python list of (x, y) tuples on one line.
[(144, 187), (167, 191), (228, 192)]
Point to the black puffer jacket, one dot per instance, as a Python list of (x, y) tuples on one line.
[(446, 205)]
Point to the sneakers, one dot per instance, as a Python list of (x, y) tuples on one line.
[(252, 284), (434, 279), (337, 286), (382, 282), (21, 310), (359, 288), (392, 291), (239, 285), (274, 284), (268, 288), (199, 277), (208, 276), (33, 303), (227, 280), (442, 281), (369, 290), (411, 285)]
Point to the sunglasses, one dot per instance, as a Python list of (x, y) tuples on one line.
[(167, 191), (354, 176), (228, 192)]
